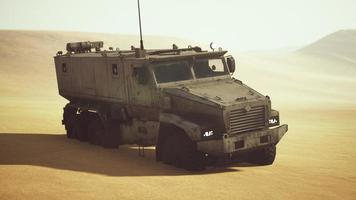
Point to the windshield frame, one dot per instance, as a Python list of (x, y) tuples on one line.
[(193, 79), (208, 77)]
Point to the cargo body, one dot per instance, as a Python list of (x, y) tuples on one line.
[(183, 101)]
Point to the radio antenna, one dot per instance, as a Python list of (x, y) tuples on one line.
[(139, 20)]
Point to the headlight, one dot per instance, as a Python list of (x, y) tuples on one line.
[(209, 135), (273, 121)]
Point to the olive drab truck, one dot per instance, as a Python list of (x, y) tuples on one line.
[(183, 101)]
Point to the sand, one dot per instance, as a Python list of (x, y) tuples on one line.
[(315, 160)]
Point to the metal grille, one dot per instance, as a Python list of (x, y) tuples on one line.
[(243, 121)]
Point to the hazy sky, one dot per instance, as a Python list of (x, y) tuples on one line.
[(233, 24)]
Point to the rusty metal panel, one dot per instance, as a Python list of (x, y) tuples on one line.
[(139, 94), (140, 132), (101, 82), (115, 77), (58, 68), (64, 74), (87, 76), (75, 75)]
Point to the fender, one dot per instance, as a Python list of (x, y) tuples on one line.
[(191, 129)]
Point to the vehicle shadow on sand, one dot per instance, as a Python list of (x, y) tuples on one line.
[(56, 151)]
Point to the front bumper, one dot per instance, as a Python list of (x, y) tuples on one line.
[(239, 143)]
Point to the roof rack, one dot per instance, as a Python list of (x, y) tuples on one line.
[(165, 51)]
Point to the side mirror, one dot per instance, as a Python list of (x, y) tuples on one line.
[(141, 74), (230, 61)]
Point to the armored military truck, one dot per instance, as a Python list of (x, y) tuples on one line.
[(183, 101)]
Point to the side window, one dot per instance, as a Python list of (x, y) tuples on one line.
[(64, 67), (141, 74), (115, 71)]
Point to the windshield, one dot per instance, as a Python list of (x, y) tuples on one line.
[(180, 70), (209, 68), (172, 71)]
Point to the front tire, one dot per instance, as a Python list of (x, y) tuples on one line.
[(265, 156), (179, 150)]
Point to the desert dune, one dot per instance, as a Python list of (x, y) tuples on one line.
[(313, 87)]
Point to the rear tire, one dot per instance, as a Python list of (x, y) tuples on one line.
[(77, 131), (111, 136), (95, 131), (69, 117), (106, 135), (265, 156), (83, 126)]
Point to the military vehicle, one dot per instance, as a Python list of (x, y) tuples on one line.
[(182, 100)]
